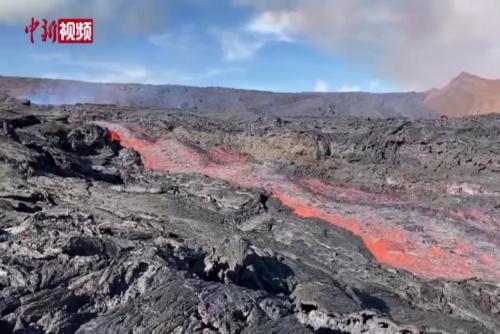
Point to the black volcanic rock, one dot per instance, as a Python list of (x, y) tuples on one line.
[(93, 241)]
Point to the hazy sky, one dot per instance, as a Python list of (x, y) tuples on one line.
[(280, 45)]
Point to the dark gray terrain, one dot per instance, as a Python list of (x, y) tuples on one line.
[(93, 242), (222, 102)]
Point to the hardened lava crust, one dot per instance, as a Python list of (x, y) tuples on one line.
[(140, 220)]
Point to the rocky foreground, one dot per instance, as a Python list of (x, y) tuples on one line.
[(130, 220)]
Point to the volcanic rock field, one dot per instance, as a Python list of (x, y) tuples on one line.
[(118, 219)]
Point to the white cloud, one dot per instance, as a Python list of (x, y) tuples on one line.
[(374, 85), (236, 45), (347, 88), (126, 74), (184, 39), (58, 57), (130, 15), (321, 86), (80, 68), (77, 68), (266, 25), (244, 42), (22, 10), (416, 44), (161, 40)]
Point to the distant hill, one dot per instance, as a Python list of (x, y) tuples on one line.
[(220, 101), (466, 95)]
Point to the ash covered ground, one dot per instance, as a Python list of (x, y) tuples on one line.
[(140, 220)]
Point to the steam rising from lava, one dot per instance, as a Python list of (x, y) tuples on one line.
[(437, 247)]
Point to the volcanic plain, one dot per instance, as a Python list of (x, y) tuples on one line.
[(117, 219)]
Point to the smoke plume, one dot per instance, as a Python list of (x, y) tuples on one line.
[(418, 44)]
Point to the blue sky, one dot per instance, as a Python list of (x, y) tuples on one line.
[(198, 44), (281, 45)]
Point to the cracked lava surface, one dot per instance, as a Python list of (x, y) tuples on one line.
[(430, 243)]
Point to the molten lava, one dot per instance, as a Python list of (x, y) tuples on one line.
[(428, 244)]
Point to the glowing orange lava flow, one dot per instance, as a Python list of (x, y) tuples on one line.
[(453, 245)]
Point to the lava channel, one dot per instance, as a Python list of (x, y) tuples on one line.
[(428, 244)]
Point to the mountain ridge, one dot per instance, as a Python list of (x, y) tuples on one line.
[(223, 102), (465, 95)]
